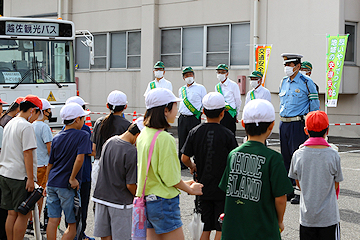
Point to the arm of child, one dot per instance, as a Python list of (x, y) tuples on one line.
[(76, 168), (280, 205), (187, 161), (132, 188), (48, 168), (93, 153), (48, 146), (298, 184), (190, 187), (28, 160)]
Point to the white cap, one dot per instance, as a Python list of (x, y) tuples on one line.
[(72, 110), (213, 100), (76, 99), (158, 97), (140, 123), (258, 110), (117, 98), (46, 104)]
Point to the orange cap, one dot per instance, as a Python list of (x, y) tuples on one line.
[(316, 121), (34, 100), (2, 102), (19, 100)]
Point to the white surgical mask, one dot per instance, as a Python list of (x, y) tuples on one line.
[(189, 80), (159, 74), (221, 77), (289, 71), (254, 83)]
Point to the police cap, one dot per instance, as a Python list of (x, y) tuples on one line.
[(291, 57)]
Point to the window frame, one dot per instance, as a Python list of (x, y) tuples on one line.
[(354, 24), (106, 56), (204, 66), (127, 48)]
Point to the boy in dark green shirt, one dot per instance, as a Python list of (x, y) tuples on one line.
[(255, 180)]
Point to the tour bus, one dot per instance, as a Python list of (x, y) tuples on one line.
[(37, 57)]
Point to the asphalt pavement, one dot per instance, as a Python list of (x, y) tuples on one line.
[(349, 199)]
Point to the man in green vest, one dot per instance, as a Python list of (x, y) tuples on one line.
[(257, 91), (159, 81), (231, 92), (190, 107), (306, 69)]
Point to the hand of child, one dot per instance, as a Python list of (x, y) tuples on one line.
[(193, 168), (30, 185), (189, 182), (196, 188), (74, 184), (44, 192), (281, 227)]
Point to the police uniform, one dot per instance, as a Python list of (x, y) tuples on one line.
[(260, 92), (231, 92), (162, 83), (297, 98), (189, 113)]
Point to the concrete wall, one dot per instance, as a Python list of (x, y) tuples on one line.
[(289, 25)]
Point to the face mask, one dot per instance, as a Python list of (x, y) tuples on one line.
[(189, 80), (221, 77), (29, 117), (289, 71), (254, 83), (303, 72), (159, 74)]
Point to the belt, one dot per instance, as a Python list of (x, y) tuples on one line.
[(129, 206), (292, 119), (186, 116)]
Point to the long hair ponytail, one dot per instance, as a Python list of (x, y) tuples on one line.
[(107, 127)]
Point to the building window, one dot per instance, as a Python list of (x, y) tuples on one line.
[(100, 50), (350, 28), (224, 44), (114, 50), (82, 54)]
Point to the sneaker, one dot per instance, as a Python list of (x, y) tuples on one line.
[(295, 199), (30, 228), (87, 238)]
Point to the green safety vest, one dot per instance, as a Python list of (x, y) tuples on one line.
[(227, 106), (188, 104)]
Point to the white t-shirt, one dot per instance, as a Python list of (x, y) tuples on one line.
[(231, 94), (195, 94), (260, 93), (162, 83), (19, 136)]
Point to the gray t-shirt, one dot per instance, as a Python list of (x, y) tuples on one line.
[(118, 167), (120, 125), (317, 171)]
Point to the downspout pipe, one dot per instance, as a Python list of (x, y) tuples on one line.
[(256, 20), (59, 9)]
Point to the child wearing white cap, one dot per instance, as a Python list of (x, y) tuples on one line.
[(64, 169), (210, 143), (113, 212), (164, 176), (255, 180), (43, 139)]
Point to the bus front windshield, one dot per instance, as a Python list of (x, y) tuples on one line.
[(36, 61)]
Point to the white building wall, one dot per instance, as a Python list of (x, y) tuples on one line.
[(289, 25)]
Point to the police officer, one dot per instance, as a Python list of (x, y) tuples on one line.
[(298, 96), (231, 92), (160, 81), (257, 91), (190, 108), (306, 69)]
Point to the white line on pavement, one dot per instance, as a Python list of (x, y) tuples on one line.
[(355, 169)]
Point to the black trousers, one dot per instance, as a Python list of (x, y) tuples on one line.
[(320, 233), (185, 124), (85, 196), (229, 122), (292, 135)]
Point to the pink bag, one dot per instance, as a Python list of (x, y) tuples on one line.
[(138, 231)]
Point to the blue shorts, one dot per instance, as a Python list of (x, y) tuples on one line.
[(61, 199), (163, 214)]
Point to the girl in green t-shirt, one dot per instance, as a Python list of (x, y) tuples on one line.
[(164, 176)]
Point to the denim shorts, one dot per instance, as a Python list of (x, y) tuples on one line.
[(61, 199), (163, 214)]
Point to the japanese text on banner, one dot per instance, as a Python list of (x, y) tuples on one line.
[(334, 66), (262, 56)]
